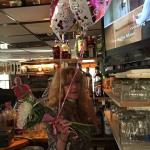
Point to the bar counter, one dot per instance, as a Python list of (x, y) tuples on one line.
[(26, 138), (16, 144)]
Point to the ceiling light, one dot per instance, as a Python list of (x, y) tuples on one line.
[(40, 69), (39, 50), (4, 46), (12, 50), (88, 61), (11, 18), (14, 59), (42, 58), (46, 19)]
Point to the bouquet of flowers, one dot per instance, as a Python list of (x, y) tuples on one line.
[(31, 112)]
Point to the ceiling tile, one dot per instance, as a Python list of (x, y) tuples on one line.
[(29, 14), (11, 30), (39, 28), (18, 39), (4, 19)]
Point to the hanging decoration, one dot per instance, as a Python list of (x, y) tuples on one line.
[(82, 12), (62, 19), (99, 8), (88, 12), (52, 8)]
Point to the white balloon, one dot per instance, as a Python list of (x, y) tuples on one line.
[(88, 12), (62, 19), (82, 12)]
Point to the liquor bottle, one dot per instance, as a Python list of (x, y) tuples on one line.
[(99, 44), (14, 3), (107, 128), (89, 81), (98, 92), (56, 50), (65, 50), (91, 46), (81, 47)]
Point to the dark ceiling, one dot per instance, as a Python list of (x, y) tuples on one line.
[(28, 33)]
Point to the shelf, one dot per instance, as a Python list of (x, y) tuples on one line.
[(37, 73), (137, 73), (115, 127), (128, 103), (47, 61)]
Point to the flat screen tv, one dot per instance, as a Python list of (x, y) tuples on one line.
[(126, 22)]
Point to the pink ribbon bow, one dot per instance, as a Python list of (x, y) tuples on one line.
[(59, 125)]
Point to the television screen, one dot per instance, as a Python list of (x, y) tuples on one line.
[(126, 21)]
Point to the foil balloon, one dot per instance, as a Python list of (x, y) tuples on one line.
[(82, 12), (52, 8), (62, 19), (99, 8), (88, 12)]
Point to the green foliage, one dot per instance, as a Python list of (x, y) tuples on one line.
[(37, 114), (84, 129), (39, 110)]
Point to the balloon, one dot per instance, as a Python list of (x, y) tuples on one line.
[(88, 12), (100, 8), (52, 8), (62, 19), (82, 12)]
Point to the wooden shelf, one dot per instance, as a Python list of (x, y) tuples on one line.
[(36, 73), (137, 73), (115, 127), (128, 103), (47, 61)]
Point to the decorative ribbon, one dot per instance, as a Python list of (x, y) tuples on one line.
[(59, 125), (58, 122)]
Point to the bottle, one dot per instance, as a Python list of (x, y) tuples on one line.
[(89, 81), (65, 50), (56, 50), (107, 128), (91, 46), (99, 44), (98, 92), (14, 3), (80, 46)]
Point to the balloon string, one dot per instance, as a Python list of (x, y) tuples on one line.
[(59, 111), (60, 60), (62, 105)]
